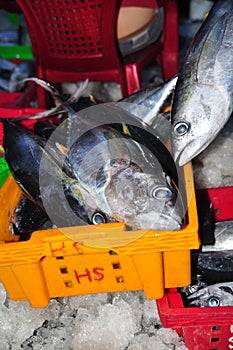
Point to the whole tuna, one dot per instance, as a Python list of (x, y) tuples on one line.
[(204, 91), (24, 152)]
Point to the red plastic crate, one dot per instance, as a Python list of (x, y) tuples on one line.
[(18, 112), (18, 99), (221, 199), (208, 328)]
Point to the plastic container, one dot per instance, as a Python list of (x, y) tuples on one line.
[(209, 328), (22, 52), (17, 99), (14, 112), (51, 264), (55, 263)]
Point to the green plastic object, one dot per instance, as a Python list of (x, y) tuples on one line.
[(4, 171), (13, 18), (21, 52)]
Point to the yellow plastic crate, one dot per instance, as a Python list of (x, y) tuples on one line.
[(55, 263)]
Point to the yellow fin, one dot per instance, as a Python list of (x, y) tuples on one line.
[(92, 99), (167, 109), (61, 148), (125, 129)]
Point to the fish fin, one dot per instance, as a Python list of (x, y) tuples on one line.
[(92, 99), (167, 109), (62, 148), (125, 129)]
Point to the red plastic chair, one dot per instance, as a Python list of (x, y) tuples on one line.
[(76, 39)]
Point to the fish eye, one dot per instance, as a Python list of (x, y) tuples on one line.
[(181, 128), (113, 163), (119, 162), (160, 192), (98, 218), (214, 301)]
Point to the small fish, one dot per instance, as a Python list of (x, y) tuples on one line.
[(203, 97), (220, 294)]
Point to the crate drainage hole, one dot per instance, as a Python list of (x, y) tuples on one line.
[(63, 269), (68, 284), (116, 265), (216, 328), (214, 340), (120, 279)]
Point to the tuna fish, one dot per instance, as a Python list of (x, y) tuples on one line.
[(203, 96)]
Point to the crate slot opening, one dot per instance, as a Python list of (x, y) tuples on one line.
[(120, 279), (63, 269), (216, 328), (68, 284), (111, 252), (214, 340), (116, 265)]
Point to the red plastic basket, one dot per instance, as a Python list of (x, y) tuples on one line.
[(209, 328), (201, 328), (17, 104)]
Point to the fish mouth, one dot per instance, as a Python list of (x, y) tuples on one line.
[(164, 222), (171, 223), (182, 157), (190, 151)]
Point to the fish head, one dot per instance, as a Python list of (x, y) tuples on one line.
[(220, 294), (196, 120), (144, 201)]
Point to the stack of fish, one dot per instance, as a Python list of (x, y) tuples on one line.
[(94, 169)]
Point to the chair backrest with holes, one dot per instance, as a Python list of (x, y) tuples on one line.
[(73, 35)]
